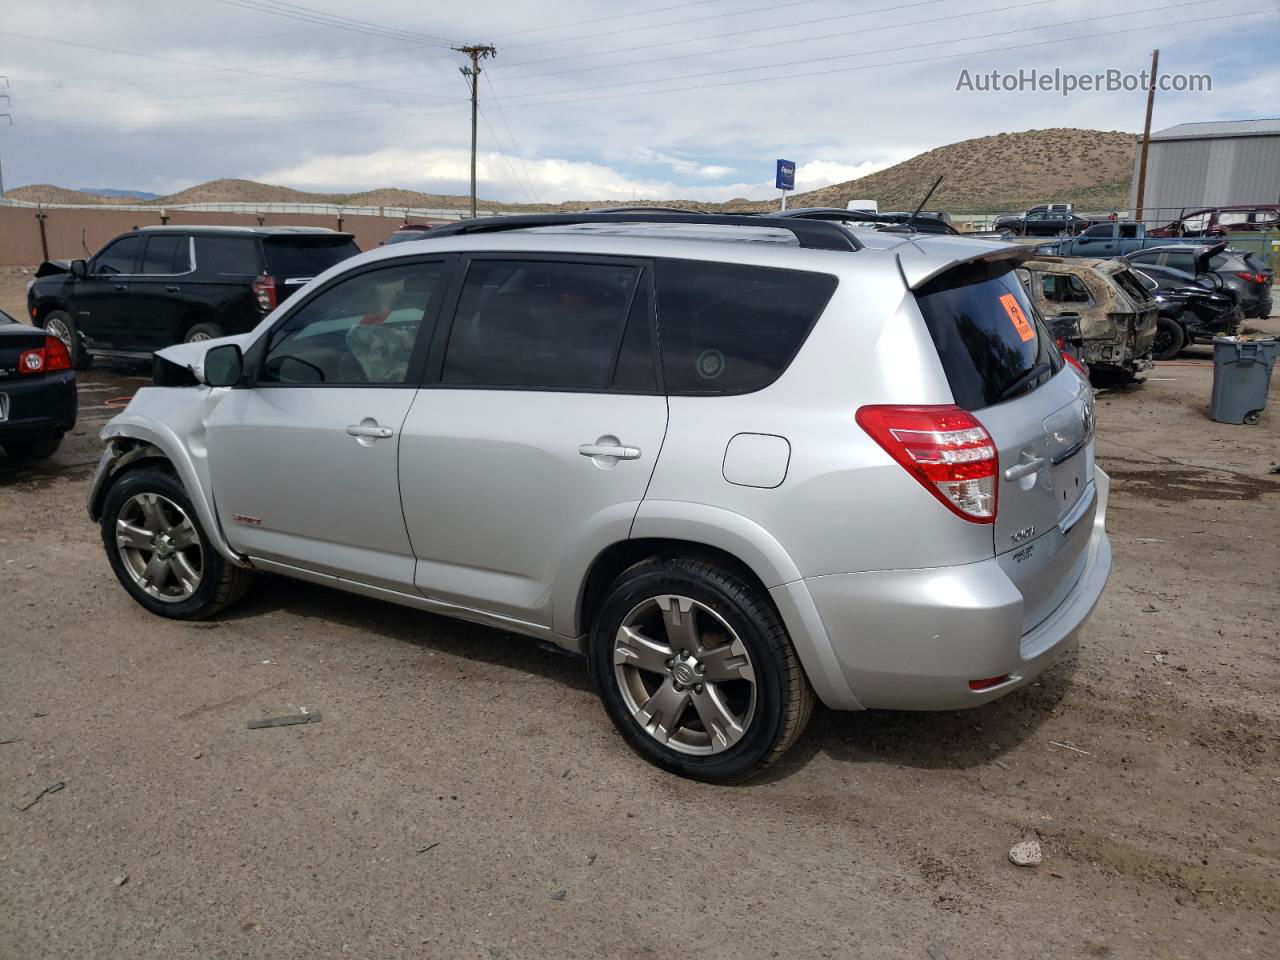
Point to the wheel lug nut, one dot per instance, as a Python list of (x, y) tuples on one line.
[(697, 688), (700, 668), (671, 661), (684, 654)]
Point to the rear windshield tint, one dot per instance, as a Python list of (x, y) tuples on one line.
[(731, 328), (305, 256), (988, 338)]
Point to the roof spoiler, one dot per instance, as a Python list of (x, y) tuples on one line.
[(811, 234), (972, 270)]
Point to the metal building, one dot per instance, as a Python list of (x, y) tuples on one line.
[(1211, 164)]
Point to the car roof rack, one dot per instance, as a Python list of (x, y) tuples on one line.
[(811, 234)]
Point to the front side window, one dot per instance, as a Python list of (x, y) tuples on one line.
[(1098, 231), (361, 330), (119, 257), (166, 254), (733, 328), (540, 324), (1196, 223)]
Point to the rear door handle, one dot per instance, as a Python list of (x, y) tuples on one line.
[(609, 450), (171, 289), (1020, 470), (120, 286)]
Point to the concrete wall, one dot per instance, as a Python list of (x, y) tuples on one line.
[(70, 233)]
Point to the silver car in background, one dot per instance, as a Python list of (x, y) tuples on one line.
[(743, 465)]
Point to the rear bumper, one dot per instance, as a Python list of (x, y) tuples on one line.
[(39, 406), (913, 639)]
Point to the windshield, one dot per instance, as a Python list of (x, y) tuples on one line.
[(988, 337), (306, 256)]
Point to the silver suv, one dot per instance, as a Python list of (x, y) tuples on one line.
[(741, 464)]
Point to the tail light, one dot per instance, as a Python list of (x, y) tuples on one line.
[(943, 447), (1062, 349), (1253, 277), (50, 358), (264, 289)]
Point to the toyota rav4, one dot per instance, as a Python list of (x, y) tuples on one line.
[(743, 465)]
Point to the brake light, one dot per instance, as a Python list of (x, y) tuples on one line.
[(1062, 349), (945, 448), (264, 288), (1253, 277), (53, 356)]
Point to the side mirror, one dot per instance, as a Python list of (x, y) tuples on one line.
[(223, 366), (79, 269)]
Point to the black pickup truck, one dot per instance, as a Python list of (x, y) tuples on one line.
[(157, 286)]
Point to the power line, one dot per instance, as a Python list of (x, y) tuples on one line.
[(860, 53), (780, 43), (194, 63), (506, 159), (511, 136), (616, 16), (329, 117), (295, 11)]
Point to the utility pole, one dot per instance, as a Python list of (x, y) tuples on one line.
[(1146, 138), (477, 52)]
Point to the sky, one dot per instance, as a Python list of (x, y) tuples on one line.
[(643, 99)]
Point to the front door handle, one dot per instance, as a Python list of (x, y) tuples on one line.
[(120, 286), (171, 289), (368, 430), (616, 451)]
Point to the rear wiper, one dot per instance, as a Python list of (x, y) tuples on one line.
[(1035, 373)]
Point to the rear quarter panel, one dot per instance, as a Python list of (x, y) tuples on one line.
[(843, 504)]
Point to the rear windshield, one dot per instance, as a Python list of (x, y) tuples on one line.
[(306, 256), (1132, 286), (988, 338)]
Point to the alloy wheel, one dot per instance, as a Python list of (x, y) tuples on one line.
[(685, 675), (160, 547), (198, 338), (60, 330)]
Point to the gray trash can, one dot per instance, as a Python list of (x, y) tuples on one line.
[(1241, 376)]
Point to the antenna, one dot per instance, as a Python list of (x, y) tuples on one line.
[(911, 220)]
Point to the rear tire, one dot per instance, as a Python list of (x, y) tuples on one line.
[(160, 553), (696, 671), (35, 448), (1169, 340), (60, 324), (203, 331)]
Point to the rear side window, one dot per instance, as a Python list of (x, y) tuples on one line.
[(166, 255), (1063, 288), (1131, 285), (305, 257), (540, 324), (987, 338), (119, 257), (730, 328), (228, 256)]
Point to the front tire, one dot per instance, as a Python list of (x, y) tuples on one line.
[(160, 553), (203, 331), (1169, 340), (696, 671), (61, 325)]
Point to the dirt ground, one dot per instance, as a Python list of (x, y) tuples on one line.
[(464, 795)]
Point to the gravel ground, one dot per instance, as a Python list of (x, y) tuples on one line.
[(465, 796)]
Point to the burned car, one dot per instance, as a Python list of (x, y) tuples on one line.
[(1115, 313)]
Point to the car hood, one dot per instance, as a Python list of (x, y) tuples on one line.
[(52, 267)]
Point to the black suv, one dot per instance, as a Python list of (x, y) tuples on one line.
[(157, 286)]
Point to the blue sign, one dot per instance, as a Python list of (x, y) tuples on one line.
[(786, 178)]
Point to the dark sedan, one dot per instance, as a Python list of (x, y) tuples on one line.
[(1192, 308), (37, 391), (1240, 271)]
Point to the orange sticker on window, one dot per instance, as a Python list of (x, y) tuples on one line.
[(1020, 322)]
